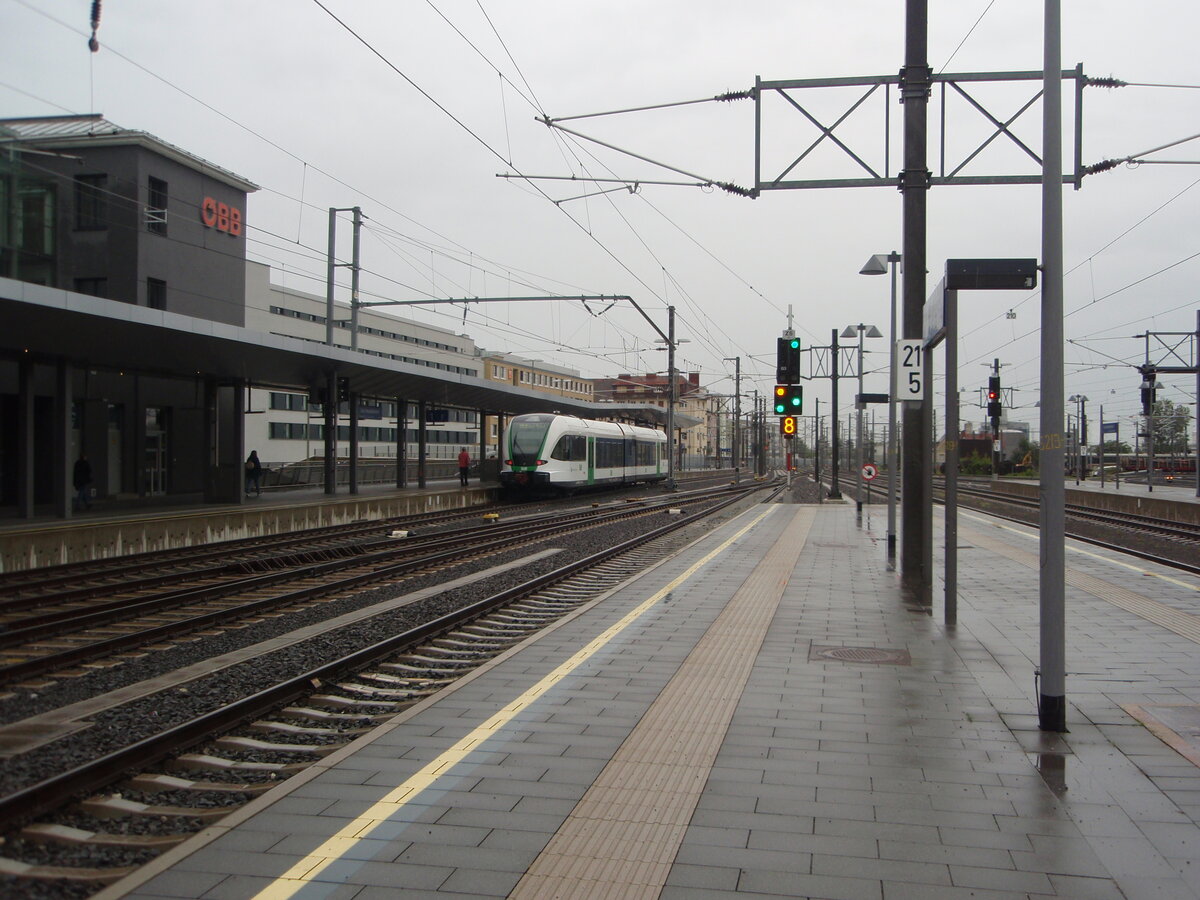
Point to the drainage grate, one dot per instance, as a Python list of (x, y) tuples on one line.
[(876, 655)]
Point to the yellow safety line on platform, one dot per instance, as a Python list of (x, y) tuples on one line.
[(311, 866), (1116, 562)]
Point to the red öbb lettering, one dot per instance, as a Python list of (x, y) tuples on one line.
[(221, 216)]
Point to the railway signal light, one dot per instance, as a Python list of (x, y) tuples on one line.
[(788, 425), (343, 389), (787, 360), (1149, 393), (993, 396), (781, 392)]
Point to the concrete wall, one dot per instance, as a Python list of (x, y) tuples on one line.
[(60, 544)]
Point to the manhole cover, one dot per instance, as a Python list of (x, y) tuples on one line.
[(862, 655)]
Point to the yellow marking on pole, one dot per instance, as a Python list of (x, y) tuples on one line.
[(1080, 550), (331, 850)]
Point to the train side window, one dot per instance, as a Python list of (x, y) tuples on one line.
[(570, 448)]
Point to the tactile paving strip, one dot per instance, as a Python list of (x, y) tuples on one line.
[(623, 835)]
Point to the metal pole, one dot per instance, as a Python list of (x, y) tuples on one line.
[(893, 259), (331, 423), (952, 435), (354, 281), (737, 412), (834, 490), (817, 445), (329, 269), (858, 410), (1103, 455), (1052, 691), (671, 398), (915, 81), (1196, 362)]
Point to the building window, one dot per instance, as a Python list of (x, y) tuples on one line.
[(91, 202), (156, 293), (156, 206), (96, 287)]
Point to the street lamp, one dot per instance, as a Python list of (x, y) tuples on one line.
[(879, 265), (872, 332), (1080, 402)]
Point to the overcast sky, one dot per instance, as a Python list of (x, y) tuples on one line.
[(410, 110)]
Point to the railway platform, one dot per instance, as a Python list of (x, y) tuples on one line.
[(766, 714), (48, 540)]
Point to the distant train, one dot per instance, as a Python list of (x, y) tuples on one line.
[(565, 453)]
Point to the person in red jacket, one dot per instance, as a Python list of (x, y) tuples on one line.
[(464, 465)]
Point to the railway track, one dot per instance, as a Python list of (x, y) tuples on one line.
[(245, 730), (51, 631), (1175, 544)]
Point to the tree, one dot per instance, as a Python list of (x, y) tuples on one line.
[(1109, 448), (1171, 427)]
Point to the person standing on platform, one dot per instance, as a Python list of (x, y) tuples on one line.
[(81, 478), (253, 474), (464, 465)]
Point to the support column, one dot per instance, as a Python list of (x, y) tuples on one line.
[(61, 481), (241, 452), (1052, 699), (212, 456), (352, 403), (835, 492), (331, 420), (401, 443), (482, 414), (917, 508), (422, 450), (25, 441)]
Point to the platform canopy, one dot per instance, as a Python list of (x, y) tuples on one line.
[(47, 324)]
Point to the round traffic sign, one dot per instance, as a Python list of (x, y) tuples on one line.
[(869, 472)]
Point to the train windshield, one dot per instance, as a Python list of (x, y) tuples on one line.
[(526, 434)]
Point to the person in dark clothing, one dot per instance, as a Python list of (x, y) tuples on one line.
[(81, 478), (254, 472), (464, 465)]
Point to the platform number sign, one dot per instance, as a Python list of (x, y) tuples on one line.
[(910, 377)]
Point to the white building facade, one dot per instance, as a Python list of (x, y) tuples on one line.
[(286, 427)]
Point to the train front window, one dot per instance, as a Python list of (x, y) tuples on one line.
[(526, 435)]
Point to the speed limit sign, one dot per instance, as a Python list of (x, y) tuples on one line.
[(869, 472)]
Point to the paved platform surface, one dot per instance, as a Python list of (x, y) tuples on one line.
[(765, 715)]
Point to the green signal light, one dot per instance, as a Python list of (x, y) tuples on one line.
[(795, 344)]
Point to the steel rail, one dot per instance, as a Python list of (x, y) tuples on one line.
[(515, 533), (31, 801)]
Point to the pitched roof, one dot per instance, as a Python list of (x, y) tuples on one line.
[(63, 132)]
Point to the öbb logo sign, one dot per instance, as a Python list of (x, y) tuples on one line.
[(221, 216)]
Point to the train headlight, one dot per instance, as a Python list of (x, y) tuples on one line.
[(541, 462)]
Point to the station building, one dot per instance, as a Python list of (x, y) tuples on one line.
[(140, 339), (119, 215)]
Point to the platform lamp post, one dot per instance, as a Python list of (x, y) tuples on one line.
[(1080, 402), (872, 332), (880, 264)]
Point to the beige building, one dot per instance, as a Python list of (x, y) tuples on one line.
[(530, 375)]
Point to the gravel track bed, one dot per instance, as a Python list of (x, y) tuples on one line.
[(118, 727), (1138, 541)]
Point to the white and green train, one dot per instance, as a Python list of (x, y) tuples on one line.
[(565, 453)]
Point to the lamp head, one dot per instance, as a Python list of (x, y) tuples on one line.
[(876, 265)]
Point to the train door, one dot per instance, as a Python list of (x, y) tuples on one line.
[(591, 460)]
